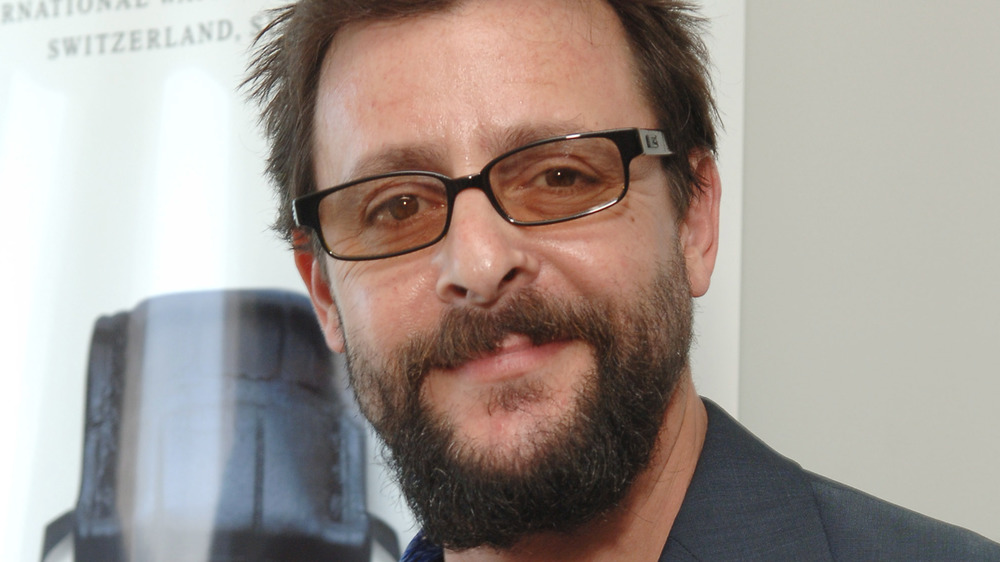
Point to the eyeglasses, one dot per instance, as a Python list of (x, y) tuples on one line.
[(545, 182)]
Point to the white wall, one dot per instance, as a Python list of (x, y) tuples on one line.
[(871, 280), (715, 358)]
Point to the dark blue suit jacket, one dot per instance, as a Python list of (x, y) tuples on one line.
[(746, 502)]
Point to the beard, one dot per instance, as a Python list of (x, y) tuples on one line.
[(574, 471)]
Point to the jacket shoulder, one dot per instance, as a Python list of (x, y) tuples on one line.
[(861, 527)]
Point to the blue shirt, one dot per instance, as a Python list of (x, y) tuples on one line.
[(422, 550)]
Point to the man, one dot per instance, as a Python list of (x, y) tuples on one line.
[(501, 211)]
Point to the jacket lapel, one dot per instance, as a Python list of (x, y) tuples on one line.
[(746, 502)]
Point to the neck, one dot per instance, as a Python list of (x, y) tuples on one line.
[(638, 529)]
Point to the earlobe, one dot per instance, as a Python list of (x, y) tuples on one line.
[(699, 230), (310, 269)]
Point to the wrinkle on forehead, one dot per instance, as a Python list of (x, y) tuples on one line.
[(431, 158), (488, 54)]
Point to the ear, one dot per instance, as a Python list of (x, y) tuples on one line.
[(310, 269), (699, 229)]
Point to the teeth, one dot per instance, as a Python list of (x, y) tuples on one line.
[(513, 340), (509, 342)]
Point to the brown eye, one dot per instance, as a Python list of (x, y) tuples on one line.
[(561, 177), (400, 208)]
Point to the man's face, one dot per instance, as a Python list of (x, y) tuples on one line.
[(447, 92)]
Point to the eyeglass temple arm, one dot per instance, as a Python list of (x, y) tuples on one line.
[(653, 142)]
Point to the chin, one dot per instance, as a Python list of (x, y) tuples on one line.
[(512, 421)]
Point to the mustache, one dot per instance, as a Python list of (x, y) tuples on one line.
[(469, 333)]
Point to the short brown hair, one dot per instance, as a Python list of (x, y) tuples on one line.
[(664, 36)]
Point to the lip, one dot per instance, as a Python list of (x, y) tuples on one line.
[(516, 357)]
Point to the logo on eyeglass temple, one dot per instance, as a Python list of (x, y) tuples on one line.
[(654, 143)]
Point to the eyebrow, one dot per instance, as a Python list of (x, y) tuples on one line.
[(397, 159), (432, 158), (520, 135)]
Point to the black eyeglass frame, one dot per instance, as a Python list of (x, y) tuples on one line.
[(631, 142)]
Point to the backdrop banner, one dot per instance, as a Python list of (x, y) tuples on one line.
[(131, 166)]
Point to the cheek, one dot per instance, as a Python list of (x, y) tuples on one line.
[(612, 256), (608, 273), (383, 306)]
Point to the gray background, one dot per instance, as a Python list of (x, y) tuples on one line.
[(870, 300)]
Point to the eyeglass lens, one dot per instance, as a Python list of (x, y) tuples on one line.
[(543, 183)]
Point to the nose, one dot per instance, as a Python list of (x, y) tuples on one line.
[(482, 257)]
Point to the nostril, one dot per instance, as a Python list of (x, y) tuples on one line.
[(510, 275)]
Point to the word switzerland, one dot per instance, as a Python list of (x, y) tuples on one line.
[(137, 40)]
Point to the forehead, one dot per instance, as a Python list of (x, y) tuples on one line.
[(458, 82)]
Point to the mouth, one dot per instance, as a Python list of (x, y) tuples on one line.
[(514, 357)]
